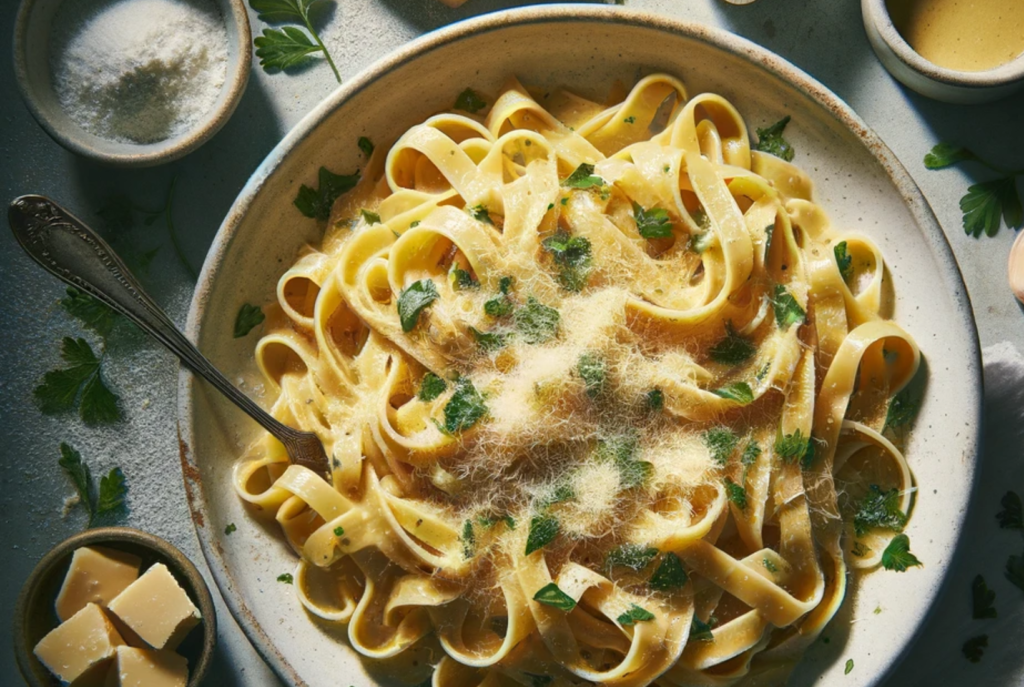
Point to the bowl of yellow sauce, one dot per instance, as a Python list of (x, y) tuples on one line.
[(958, 51)]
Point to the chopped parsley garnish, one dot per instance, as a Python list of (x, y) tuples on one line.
[(465, 408), (230, 528), (737, 391), (572, 256), (583, 177), (489, 341), (1015, 571), (593, 370), (480, 214), (849, 667), (491, 520), (1012, 515), (903, 408), (655, 400), (721, 441), (769, 565), (91, 312), (669, 574), (365, 145), (630, 120), (82, 382), (536, 323), (653, 223), (791, 447), (431, 387), (551, 595), (634, 615), (501, 305), (879, 510), (543, 530), (733, 349), (770, 140), (736, 494), (622, 450), (636, 557), (985, 201), (461, 279), (787, 310), (750, 454), (339, 531), (286, 578), (897, 555), (317, 203), (844, 261), (974, 648), (701, 631), (981, 599), (249, 316), (112, 489), (370, 218), (468, 539), (413, 300), (469, 101), (859, 550)]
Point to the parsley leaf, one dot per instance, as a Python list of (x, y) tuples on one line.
[(316, 204), (897, 555), (946, 154), (230, 529), (594, 372), (92, 313), (653, 223), (536, 323), (489, 341), (462, 279), (736, 494), (249, 316), (82, 381), (583, 177), (468, 539), (982, 598), (365, 145), (112, 492), (413, 300), (465, 408), (1015, 570), (112, 489), (480, 214), (469, 101), (769, 565), (722, 441), (974, 648), (902, 408), (622, 451), (787, 310), (551, 595), (669, 575), (502, 304), (1012, 516), (634, 615), (793, 446), (849, 667), (770, 140), (572, 256), (339, 531), (286, 578), (431, 387), (636, 557), (844, 261), (750, 453), (655, 400), (543, 530), (986, 201), (701, 631), (276, 47), (737, 391), (879, 510), (733, 349)]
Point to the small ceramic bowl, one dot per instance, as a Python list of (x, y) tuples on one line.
[(34, 613), (32, 69), (928, 79)]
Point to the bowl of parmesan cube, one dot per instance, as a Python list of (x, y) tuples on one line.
[(113, 607)]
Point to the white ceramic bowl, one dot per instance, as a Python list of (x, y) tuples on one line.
[(859, 182), (32, 70), (931, 80)]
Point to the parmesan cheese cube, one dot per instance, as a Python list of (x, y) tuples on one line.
[(80, 648), (143, 668), (96, 576), (156, 608)]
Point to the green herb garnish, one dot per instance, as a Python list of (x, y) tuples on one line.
[(721, 441), (769, 565), (636, 557), (462, 279), (289, 46), (733, 349), (80, 382), (737, 391), (365, 145), (286, 578), (653, 223), (91, 312), (543, 530), (468, 539), (750, 454), (736, 494), (230, 528), (634, 615), (112, 491), (465, 408), (413, 300), (897, 555), (849, 666), (593, 370), (701, 631), (844, 261), (431, 387), (469, 101), (572, 256), (480, 214), (879, 510), (787, 310), (316, 204), (249, 316), (770, 140), (902, 408), (489, 341), (670, 574), (339, 531), (974, 648), (985, 201), (551, 595), (791, 447), (583, 177), (536, 323), (655, 400)]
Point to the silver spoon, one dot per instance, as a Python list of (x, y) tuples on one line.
[(67, 248)]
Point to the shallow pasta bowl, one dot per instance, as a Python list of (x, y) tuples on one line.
[(858, 181)]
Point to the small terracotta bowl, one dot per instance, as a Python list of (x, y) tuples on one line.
[(928, 79), (32, 69), (34, 613)]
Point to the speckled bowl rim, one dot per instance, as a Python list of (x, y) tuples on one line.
[(1002, 75), (108, 535), (730, 43), (177, 147)]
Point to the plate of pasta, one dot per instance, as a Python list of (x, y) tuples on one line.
[(625, 339)]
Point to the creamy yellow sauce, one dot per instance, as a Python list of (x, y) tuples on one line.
[(966, 35)]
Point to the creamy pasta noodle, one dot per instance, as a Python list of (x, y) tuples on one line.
[(606, 395)]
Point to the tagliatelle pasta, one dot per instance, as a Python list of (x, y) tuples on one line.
[(605, 392)]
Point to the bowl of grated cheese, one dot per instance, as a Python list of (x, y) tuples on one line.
[(132, 83)]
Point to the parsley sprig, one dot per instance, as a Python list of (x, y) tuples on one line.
[(770, 140), (897, 555), (316, 203), (986, 201), (288, 46), (80, 383), (110, 497)]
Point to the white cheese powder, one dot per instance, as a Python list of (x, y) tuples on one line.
[(138, 71)]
